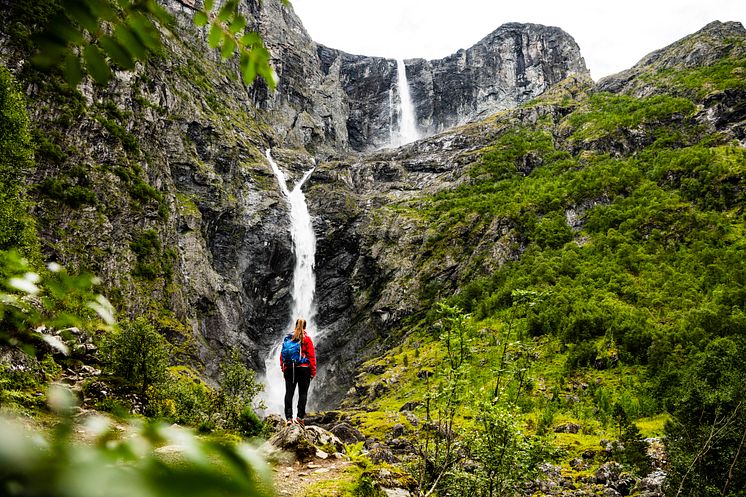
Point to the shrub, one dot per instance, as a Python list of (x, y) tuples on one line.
[(138, 354)]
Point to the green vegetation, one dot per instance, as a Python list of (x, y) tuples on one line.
[(152, 262), (70, 36), (623, 224), (138, 354), (122, 459), (17, 228)]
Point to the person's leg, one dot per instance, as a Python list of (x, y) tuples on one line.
[(289, 392), (303, 377)]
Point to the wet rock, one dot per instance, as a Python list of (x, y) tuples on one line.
[(347, 433)]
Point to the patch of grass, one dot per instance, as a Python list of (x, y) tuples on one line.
[(653, 426)]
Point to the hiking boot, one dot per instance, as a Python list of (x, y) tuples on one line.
[(288, 422), (300, 422)]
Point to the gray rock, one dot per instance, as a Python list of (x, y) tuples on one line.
[(379, 453), (608, 472), (567, 428), (398, 430), (347, 433)]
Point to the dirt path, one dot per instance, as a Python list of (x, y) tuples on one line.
[(294, 480)]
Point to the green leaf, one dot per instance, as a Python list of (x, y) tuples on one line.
[(209, 4), (228, 10), (64, 31), (229, 46), (81, 13), (50, 53), (72, 70), (248, 71), (129, 41), (96, 64), (117, 52), (251, 39), (238, 23), (200, 19), (102, 9), (215, 36), (146, 31), (160, 13)]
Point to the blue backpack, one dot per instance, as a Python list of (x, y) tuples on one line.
[(291, 352)]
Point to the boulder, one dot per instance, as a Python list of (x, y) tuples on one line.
[(347, 433), (567, 428), (379, 453)]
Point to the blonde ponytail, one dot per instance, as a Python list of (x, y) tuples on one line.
[(300, 327)]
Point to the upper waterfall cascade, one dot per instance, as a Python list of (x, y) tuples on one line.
[(304, 283), (407, 116)]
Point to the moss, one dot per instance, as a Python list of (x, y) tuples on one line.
[(344, 484), (129, 142), (63, 191)]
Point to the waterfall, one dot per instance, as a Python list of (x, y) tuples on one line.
[(304, 284), (407, 117)]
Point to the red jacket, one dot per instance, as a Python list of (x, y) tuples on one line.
[(306, 350)]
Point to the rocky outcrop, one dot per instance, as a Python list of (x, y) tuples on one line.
[(700, 49), (510, 66)]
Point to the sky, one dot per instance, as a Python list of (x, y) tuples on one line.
[(612, 35)]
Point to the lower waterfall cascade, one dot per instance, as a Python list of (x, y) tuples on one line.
[(303, 289)]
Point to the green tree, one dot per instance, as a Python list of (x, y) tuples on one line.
[(238, 389), (137, 353), (706, 438)]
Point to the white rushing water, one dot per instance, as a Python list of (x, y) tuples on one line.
[(407, 117), (304, 284)]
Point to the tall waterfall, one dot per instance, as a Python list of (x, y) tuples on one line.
[(304, 283), (407, 117)]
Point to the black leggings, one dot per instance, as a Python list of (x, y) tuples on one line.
[(300, 376)]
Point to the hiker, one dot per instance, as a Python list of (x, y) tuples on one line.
[(298, 364)]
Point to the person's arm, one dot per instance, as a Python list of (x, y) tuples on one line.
[(311, 354), (282, 366)]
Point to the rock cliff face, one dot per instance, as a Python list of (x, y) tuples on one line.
[(329, 100), (510, 66)]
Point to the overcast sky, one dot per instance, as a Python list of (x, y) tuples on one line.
[(613, 35)]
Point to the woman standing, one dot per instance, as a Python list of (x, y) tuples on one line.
[(298, 363)]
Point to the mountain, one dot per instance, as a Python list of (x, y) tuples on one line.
[(570, 246), (167, 166)]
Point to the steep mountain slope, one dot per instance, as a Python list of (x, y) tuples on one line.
[(166, 167), (594, 234), (596, 241), (534, 186)]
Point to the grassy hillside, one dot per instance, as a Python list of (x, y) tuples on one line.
[(622, 309)]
